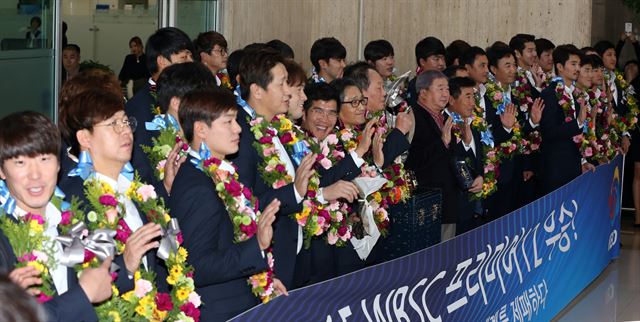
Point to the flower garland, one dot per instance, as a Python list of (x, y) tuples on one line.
[(522, 91), (242, 207), (32, 248), (628, 122), (492, 161), (606, 134), (225, 81), (162, 145), (590, 147)]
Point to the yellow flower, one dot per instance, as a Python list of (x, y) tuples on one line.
[(619, 77), (115, 291), (37, 265), (127, 296), (167, 218), (171, 280), (140, 310), (183, 293), (377, 197), (182, 254), (147, 301), (115, 316), (136, 276), (35, 226), (159, 315), (106, 188), (285, 125), (176, 270)]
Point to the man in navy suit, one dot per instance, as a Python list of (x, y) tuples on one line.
[(468, 148), (560, 157), (222, 266), (29, 145)]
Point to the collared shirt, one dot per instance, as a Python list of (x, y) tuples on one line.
[(438, 117), (52, 217), (131, 216), (612, 86), (472, 144)]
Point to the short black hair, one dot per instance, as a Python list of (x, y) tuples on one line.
[(255, 68), (542, 45), (164, 43), (206, 41), (28, 134), (586, 59), (233, 65), (204, 104), (602, 46), (320, 91), (631, 62), (325, 49), (588, 48), (456, 84), (359, 73), (377, 49), (497, 52), (596, 61), (340, 85), (36, 19), (179, 79), (17, 304), (470, 55), (450, 71), (562, 53), (285, 50), (73, 47), (518, 41), (455, 50), (428, 46)]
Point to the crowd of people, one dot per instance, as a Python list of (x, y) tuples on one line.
[(230, 179)]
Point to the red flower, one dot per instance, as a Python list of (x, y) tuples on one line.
[(234, 188), (163, 302), (250, 229), (66, 217), (246, 192), (180, 238), (88, 256), (265, 140), (123, 231), (108, 200), (324, 213), (114, 276), (342, 230), (191, 311), (280, 168), (311, 193), (286, 138)]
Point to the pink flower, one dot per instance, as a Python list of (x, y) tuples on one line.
[(123, 231), (577, 138), (325, 163), (343, 230), (108, 200), (161, 164), (568, 119), (497, 96), (279, 184), (111, 215), (38, 218), (338, 154), (332, 139), (194, 298), (246, 192), (88, 256), (268, 151), (163, 302), (147, 191), (114, 276), (66, 218), (179, 238), (332, 238), (280, 168), (40, 256), (490, 167), (43, 298), (191, 311), (588, 152), (142, 288)]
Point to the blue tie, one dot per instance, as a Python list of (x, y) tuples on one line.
[(240, 101), (9, 204), (161, 122)]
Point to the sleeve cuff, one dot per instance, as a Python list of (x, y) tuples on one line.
[(320, 197), (508, 130), (583, 161), (356, 159), (532, 124), (466, 147), (627, 134), (298, 197), (580, 125)]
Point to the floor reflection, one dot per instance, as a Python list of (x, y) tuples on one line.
[(615, 294)]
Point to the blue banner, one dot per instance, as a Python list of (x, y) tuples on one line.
[(526, 266)]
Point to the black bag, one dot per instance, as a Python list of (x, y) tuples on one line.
[(415, 224)]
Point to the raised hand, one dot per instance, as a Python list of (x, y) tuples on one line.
[(404, 121), (378, 155), (367, 134), (174, 161), (536, 111), (265, 230), (139, 243), (446, 131), (303, 173), (466, 133), (582, 115), (508, 118)]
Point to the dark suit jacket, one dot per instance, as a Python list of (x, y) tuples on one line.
[(70, 306), (344, 169), (285, 228), (74, 187), (431, 161), (560, 157), (395, 144), (221, 266)]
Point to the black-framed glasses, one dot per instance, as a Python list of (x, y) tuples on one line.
[(119, 125), (221, 51), (354, 103), (316, 111)]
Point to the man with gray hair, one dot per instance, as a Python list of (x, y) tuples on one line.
[(430, 155)]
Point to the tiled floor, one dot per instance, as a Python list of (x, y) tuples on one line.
[(615, 294)]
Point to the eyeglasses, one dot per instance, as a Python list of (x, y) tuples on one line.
[(222, 51), (119, 125), (354, 103), (318, 112)]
